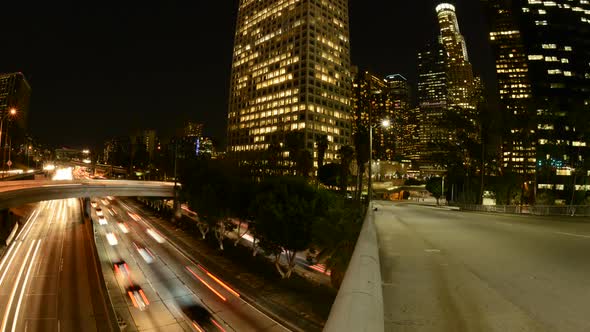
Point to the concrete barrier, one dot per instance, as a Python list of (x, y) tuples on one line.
[(359, 304)]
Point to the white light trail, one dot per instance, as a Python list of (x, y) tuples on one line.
[(24, 286), (14, 288)]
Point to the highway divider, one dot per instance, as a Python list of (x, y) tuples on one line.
[(358, 306)]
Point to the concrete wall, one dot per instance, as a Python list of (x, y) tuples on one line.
[(359, 304)]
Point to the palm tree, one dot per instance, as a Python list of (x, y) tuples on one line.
[(322, 144), (346, 157), (361, 147)]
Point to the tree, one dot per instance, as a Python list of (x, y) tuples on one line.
[(328, 174), (322, 145), (342, 221), (206, 185), (294, 143), (346, 157), (434, 186), (304, 163), (361, 147), (284, 210)]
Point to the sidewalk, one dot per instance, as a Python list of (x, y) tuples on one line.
[(297, 303)]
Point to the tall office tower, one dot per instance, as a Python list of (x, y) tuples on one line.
[(548, 41), (459, 70), (432, 98), (290, 72), (403, 121), (371, 96), (514, 87)]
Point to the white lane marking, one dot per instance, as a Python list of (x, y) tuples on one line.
[(572, 234), (24, 286), (14, 288), (10, 262), (432, 250)]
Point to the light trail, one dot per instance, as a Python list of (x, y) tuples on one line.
[(10, 262), (219, 281), (14, 288), (24, 286), (206, 284)]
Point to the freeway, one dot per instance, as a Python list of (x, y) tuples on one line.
[(48, 281), (463, 271), (172, 283)]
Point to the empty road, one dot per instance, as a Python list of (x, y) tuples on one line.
[(465, 271)]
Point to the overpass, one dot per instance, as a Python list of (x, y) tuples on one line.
[(15, 193)]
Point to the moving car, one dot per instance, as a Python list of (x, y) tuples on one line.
[(138, 297), (102, 220), (201, 319), (99, 212)]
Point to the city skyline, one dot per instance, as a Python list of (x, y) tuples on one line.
[(121, 64)]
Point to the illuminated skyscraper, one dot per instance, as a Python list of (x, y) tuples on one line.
[(518, 147), (460, 87), (290, 72), (542, 51), (432, 97)]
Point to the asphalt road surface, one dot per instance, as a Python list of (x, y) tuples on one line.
[(169, 280), (47, 278), (464, 271)]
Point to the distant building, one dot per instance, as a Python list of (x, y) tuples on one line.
[(290, 72), (15, 92), (404, 120), (432, 99), (144, 141), (382, 98), (542, 53), (193, 129), (460, 88)]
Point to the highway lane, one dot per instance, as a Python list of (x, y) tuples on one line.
[(47, 283), (463, 271), (173, 279)]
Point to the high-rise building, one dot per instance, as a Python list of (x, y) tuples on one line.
[(542, 51), (514, 87), (290, 72), (371, 94), (403, 118), (460, 87), (432, 98)]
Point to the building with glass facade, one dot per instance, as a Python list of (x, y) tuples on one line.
[(542, 51), (290, 72)]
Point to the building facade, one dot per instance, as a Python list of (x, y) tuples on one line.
[(548, 42), (432, 99), (15, 92), (290, 72), (372, 103), (460, 85)]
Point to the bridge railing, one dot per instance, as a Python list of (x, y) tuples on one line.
[(538, 210), (359, 304)]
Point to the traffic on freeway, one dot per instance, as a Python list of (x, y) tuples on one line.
[(47, 278), (157, 286)]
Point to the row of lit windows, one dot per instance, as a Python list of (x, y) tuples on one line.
[(265, 13)]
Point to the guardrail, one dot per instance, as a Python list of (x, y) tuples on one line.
[(359, 303), (538, 210)]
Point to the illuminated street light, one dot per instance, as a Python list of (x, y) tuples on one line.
[(13, 111)]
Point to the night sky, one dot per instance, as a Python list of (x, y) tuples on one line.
[(99, 71)]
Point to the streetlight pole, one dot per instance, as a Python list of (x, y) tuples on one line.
[(370, 182)]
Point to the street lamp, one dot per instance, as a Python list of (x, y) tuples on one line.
[(385, 123), (12, 112)]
